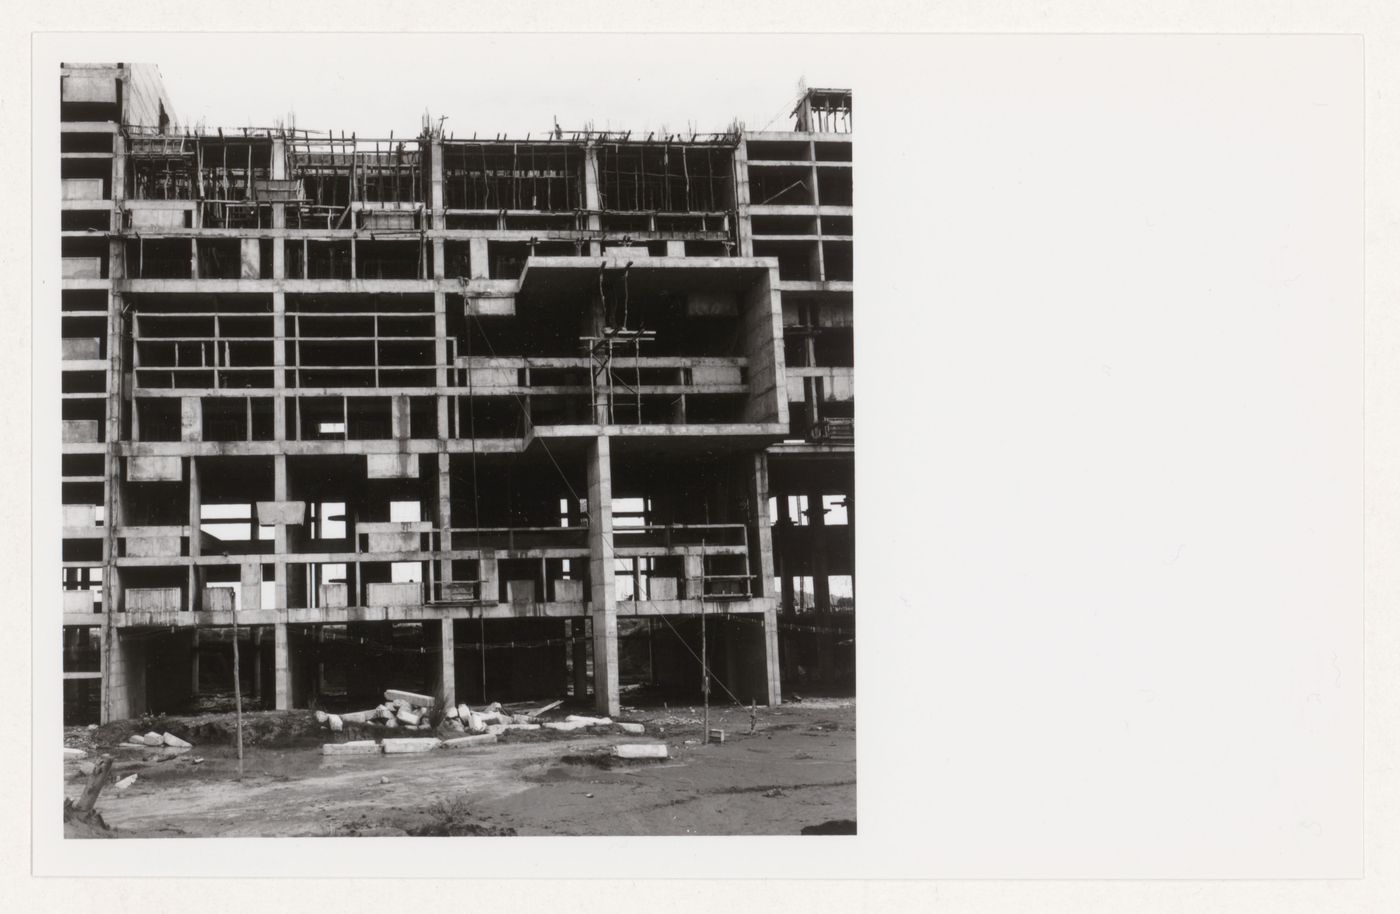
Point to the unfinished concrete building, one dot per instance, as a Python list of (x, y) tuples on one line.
[(496, 419)]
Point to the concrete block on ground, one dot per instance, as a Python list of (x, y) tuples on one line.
[(355, 747), (322, 717), (463, 711), (475, 723), (174, 742), (413, 698), (136, 739), (336, 723), (359, 717), (640, 750), (408, 718), (632, 728), (73, 754), (453, 712), (125, 782), (566, 725), (588, 721), (521, 726), (391, 724), (465, 742), (496, 729), (153, 739), (411, 744)]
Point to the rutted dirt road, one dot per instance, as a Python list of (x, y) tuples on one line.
[(796, 770)]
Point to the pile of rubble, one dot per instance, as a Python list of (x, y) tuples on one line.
[(410, 711), (156, 740)]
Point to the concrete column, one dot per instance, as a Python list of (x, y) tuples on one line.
[(780, 555), (435, 198), (444, 509), (763, 547), (195, 508), (194, 661), (694, 575), (480, 256), (591, 198), (580, 634), (821, 593), (741, 198), (250, 579), (490, 575), (603, 605), (278, 171), (281, 533), (257, 664), (279, 353), (449, 664), (126, 679), (770, 650), (761, 529), (440, 347), (282, 667)]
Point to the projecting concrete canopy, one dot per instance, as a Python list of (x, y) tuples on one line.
[(549, 279)]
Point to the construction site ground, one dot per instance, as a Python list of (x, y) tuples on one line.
[(794, 774)]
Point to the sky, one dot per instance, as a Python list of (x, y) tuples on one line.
[(489, 84)]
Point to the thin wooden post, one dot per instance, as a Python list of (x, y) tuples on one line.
[(237, 698), (704, 652)]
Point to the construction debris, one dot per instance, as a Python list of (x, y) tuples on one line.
[(355, 747), (632, 728), (410, 698), (546, 709), (73, 754), (641, 750), (174, 742), (125, 782), (407, 745)]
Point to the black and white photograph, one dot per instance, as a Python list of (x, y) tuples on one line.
[(509, 474)]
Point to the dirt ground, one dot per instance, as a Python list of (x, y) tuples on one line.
[(796, 771)]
